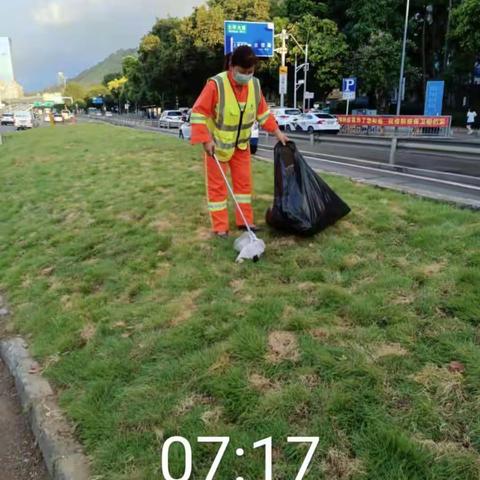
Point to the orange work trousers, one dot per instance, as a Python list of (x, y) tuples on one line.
[(241, 172)]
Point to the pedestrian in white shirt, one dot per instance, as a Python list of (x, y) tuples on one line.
[(471, 118)]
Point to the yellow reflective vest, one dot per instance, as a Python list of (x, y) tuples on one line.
[(231, 128)]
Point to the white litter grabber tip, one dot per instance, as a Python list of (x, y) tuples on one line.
[(249, 247)]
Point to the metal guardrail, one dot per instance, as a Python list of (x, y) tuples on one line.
[(395, 143)]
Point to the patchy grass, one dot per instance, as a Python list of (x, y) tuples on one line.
[(149, 329)]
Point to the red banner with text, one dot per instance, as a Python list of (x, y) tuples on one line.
[(412, 121)]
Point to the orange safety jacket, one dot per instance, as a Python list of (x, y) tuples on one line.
[(208, 100)]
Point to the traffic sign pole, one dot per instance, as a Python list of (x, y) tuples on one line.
[(348, 105), (283, 53), (305, 70), (402, 64)]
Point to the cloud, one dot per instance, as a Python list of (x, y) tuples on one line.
[(65, 12), (70, 35), (53, 13)]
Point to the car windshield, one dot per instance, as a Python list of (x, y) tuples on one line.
[(293, 112), (175, 113), (8, 114), (22, 114), (324, 115)]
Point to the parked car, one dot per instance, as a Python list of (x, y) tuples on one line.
[(108, 114), (8, 119), (315, 122), (58, 117), (170, 118), (285, 116), (23, 120), (66, 115), (185, 130)]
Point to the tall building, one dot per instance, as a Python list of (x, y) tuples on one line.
[(6, 65), (9, 88)]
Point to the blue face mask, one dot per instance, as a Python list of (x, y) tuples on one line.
[(242, 78)]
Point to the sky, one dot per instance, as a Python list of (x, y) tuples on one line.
[(50, 36)]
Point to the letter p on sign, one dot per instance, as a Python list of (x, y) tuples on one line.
[(349, 88)]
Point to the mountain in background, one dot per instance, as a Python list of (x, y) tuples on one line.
[(112, 64)]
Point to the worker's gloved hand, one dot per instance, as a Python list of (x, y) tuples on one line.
[(209, 147)]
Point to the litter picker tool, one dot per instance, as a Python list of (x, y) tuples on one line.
[(248, 245)]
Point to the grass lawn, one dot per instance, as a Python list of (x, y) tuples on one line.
[(148, 329)]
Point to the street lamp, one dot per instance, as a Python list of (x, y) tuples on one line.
[(402, 65)]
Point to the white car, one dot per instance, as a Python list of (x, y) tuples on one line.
[(8, 119), (23, 120), (285, 116), (58, 118), (170, 118), (108, 114), (315, 122)]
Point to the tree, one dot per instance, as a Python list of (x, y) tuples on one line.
[(109, 77), (466, 25), (376, 64), (328, 52), (75, 90), (297, 9)]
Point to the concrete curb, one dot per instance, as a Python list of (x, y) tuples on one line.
[(63, 456)]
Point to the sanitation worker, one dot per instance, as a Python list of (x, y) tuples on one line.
[(222, 120)]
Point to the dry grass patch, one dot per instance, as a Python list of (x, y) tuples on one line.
[(213, 416), (203, 233), (88, 332), (432, 269), (306, 286), (445, 386), (161, 225), (190, 402), (339, 465), (237, 285), (262, 384), (184, 307), (404, 299), (351, 261), (282, 346), (388, 349), (222, 363)]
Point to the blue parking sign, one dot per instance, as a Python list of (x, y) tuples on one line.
[(349, 88), (434, 98), (258, 35)]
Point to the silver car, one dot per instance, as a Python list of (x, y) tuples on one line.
[(170, 119), (24, 120)]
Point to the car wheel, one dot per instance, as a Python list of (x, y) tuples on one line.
[(288, 128), (310, 129)]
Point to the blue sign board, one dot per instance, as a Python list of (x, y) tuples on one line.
[(349, 88), (258, 35), (434, 98), (97, 101)]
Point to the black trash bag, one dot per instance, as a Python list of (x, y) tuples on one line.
[(303, 204)]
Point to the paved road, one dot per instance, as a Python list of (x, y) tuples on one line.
[(20, 459), (444, 162)]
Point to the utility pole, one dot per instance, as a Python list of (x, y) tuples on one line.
[(283, 52), (402, 65), (305, 73), (294, 84)]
